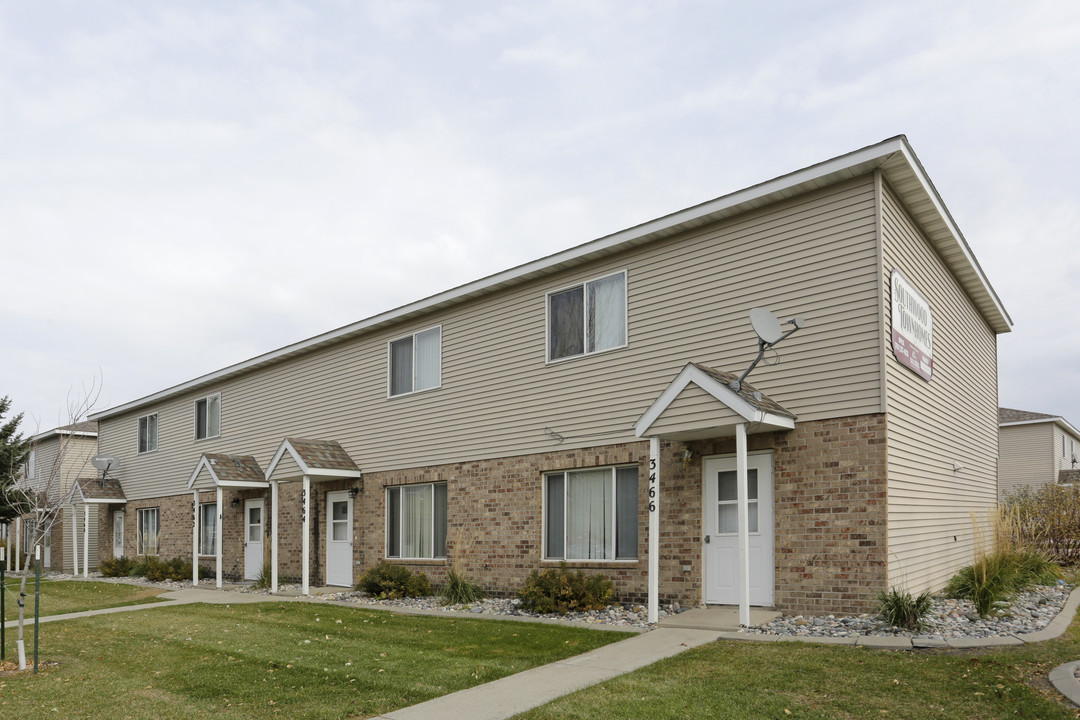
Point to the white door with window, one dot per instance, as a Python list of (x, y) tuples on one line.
[(721, 532), (339, 549), (253, 538), (118, 534)]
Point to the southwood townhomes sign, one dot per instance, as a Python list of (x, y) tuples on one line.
[(912, 327)]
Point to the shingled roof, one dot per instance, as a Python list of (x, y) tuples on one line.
[(321, 458), (230, 470), (98, 490), (747, 392), (1008, 415)]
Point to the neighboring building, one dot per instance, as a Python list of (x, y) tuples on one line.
[(57, 458), (1035, 449), (578, 408)]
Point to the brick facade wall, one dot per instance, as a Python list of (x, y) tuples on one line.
[(830, 495)]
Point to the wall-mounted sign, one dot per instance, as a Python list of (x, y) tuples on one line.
[(912, 327)]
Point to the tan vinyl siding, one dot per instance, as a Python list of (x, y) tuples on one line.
[(1027, 455), (933, 424), (688, 299), (694, 409), (286, 468), (68, 557)]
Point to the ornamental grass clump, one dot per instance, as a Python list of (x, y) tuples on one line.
[(900, 609), (1004, 564), (388, 581), (458, 589), (562, 591)]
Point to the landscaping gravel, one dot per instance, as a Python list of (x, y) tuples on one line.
[(948, 619)]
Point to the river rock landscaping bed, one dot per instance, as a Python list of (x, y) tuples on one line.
[(1029, 611)]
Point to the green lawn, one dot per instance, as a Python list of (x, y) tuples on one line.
[(66, 596), (267, 660), (734, 679)]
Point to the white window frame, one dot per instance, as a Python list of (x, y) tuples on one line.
[(202, 526), (390, 363), (584, 285), (140, 540), (195, 416), (546, 512), (401, 521), (139, 434)]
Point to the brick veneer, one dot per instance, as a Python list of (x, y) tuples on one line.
[(830, 512)]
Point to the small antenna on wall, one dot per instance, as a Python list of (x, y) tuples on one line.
[(770, 333)]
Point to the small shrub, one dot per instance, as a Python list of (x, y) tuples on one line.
[(139, 566), (459, 591), (901, 609), (562, 591), (389, 581), (988, 582), (116, 567)]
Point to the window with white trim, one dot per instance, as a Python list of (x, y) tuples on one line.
[(591, 514), (208, 516), (31, 462), (208, 417), (148, 433), (147, 538), (727, 502), (587, 318), (416, 521), (416, 362)]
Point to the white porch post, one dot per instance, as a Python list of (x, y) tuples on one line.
[(306, 552), (74, 541), (273, 536), (195, 538), (744, 529), (217, 536), (86, 540), (18, 541), (654, 528)]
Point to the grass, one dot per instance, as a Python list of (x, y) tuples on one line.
[(272, 660), (733, 679), (66, 596)]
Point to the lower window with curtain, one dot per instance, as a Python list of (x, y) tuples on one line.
[(591, 514), (416, 521)]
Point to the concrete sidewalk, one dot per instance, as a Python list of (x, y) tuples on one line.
[(517, 693)]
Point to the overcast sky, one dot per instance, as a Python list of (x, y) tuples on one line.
[(187, 185)]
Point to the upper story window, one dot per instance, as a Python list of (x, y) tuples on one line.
[(208, 417), (416, 362), (148, 433), (587, 318)]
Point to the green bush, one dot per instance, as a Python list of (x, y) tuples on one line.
[(995, 577), (901, 609), (1047, 518), (389, 581), (459, 591), (562, 591), (154, 568), (116, 567)]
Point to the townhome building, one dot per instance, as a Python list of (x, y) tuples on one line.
[(61, 523), (591, 408), (1036, 449)]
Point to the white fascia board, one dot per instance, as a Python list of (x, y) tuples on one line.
[(104, 501), (957, 236), (50, 433), (285, 446), (244, 484), (331, 473), (1059, 421), (203, 462), (691, 374), (780, 421)]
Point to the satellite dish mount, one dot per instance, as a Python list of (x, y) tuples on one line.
[(770, 333), (104, 463)]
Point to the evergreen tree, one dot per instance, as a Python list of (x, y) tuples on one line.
[(14, 451)]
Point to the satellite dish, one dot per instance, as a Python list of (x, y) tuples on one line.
[(104, 463), (766, 325)]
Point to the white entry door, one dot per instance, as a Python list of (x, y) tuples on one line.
[(46, 549), (253, 538), (339, 550), (118, 533), (721, 532)]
